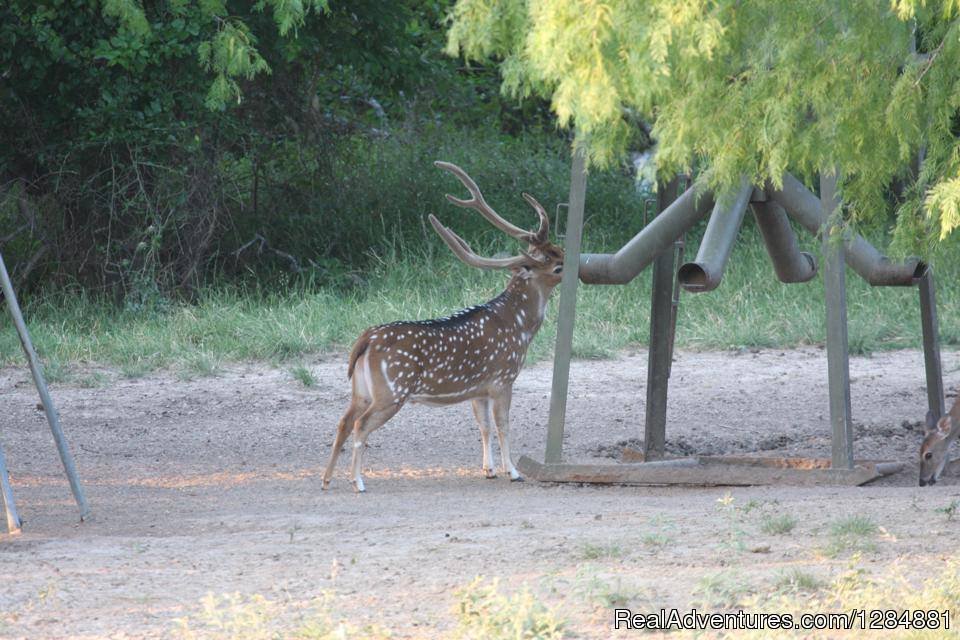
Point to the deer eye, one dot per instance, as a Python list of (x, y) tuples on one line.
[(928, 455), (558, 268)]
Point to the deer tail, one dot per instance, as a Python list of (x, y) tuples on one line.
[(358, 350)]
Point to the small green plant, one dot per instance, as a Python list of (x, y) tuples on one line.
[(723, 590), (778, 525), (233, 616), (93, 380), (55, 371), (734, 538), (484, 613), (304, 376), (199, 365), (797, 581), (950, 510), (855, 534), (605, 592), (601, 551)]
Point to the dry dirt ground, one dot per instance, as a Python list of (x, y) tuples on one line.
[(212, 485)]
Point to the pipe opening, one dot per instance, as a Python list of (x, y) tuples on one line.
[(693, 277)]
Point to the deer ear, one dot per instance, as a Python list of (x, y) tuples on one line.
[(945, 426)]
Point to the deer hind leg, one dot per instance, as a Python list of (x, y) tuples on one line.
[(343, 430), (483, 410), (501, 415), (371, 420)]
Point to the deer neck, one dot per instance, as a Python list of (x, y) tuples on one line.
[(523, 304)]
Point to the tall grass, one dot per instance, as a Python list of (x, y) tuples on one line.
[(236, 323)]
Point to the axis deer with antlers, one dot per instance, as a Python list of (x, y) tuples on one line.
[(937, 438), (474, 354)]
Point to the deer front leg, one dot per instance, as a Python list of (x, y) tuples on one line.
[(501, 415), (483, 410)]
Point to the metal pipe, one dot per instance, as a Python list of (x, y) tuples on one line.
[(790, 264), (861, 256), (52, 417), (705, 273), (655, 238)]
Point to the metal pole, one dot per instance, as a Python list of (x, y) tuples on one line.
[(838, 354), (9, 507), (661, 348), (566, 314), (931, 344), (48, 408)]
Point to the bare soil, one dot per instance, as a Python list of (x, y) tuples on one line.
[(212, 485)]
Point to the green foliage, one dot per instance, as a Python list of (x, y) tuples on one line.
[(483, 613), (751, 89), (150, 146)]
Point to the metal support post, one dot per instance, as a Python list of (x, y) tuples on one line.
[(48, 408), (660, 353), (838, 354), (6, 494), (931, 344), (566, 314)]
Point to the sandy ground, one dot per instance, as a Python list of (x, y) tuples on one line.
[(213, 486)]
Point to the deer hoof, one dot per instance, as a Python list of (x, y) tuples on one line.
[(517, 479), (489, 474)]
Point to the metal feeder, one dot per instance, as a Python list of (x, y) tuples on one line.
[(659, 243)]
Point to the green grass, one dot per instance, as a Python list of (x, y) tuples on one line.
[(856, 534), (601, 551), (233, 323), (483, 612), (778, 525), (303, 375)]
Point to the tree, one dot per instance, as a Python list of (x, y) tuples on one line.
[(751, 88)]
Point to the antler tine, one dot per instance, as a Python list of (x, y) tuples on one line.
[(463, 251), (480, 205), (544, 231)]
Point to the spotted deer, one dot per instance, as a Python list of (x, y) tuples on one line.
[(474, 354), (937, 438)]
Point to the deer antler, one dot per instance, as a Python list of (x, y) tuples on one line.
[(543, 232), (480, 205), (463, 251)]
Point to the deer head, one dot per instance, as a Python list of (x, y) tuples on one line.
[(938, 435), (541, 262)]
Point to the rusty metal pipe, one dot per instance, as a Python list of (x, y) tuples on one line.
[(655, 238), (861, 256), (705, 273), (789, 263)]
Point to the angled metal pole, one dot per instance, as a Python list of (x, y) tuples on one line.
[(660, 353), (838, 352), (566, 315), (6, 493), (931, 344), (52, 417)]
